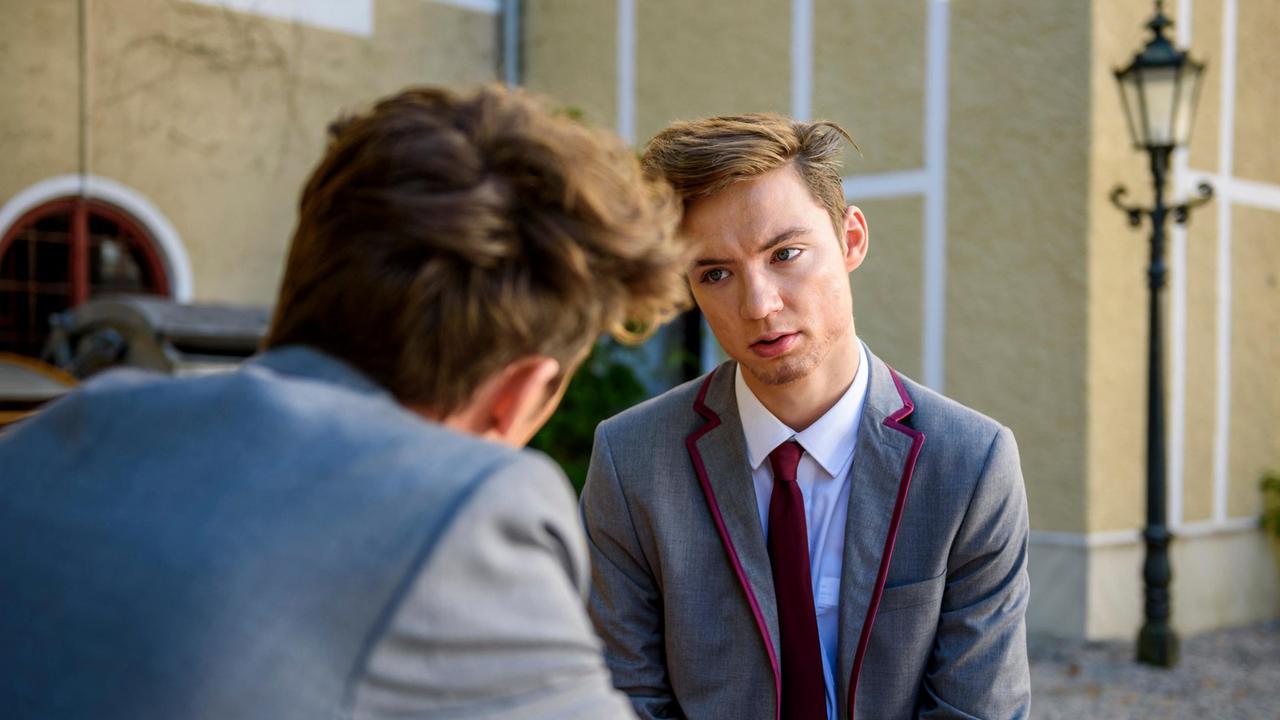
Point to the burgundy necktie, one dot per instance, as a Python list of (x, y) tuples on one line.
[(803, 691)]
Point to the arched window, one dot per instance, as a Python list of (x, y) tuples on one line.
[(63, 252)]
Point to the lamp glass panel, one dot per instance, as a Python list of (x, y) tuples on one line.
[(1188, 93), (1131, 96), (1159, 91)]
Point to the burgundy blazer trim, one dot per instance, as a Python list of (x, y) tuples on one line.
[(713, 421), (893, 422)]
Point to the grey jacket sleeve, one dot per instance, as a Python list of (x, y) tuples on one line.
[(494, 624), (625, 604), (979, 665)]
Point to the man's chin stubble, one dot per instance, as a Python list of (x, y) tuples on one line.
[(786, 373)]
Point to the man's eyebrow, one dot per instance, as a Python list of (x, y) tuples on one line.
[(782, 237), (768, 245)]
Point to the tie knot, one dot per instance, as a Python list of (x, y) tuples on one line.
[(785, 459)]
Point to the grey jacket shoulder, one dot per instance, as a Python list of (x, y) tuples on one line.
[(951, 429)]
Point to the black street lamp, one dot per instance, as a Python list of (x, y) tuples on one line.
[(1159, 90)]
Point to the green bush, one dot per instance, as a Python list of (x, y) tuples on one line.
[(604, 386), (1271, 501)]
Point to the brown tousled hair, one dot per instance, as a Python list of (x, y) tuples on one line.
[(703, 157), (445, 235)]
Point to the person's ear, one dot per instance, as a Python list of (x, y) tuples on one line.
[(521, 399), (857, 238)]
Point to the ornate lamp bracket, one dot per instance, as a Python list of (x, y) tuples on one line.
[(1134, 212), (1204, 193)]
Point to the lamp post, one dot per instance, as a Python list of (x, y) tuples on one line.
[(1159, 89)]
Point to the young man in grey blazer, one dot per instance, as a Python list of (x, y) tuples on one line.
[(346, 526), (804, 533)]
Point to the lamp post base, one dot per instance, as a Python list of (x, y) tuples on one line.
[(1158, 645)]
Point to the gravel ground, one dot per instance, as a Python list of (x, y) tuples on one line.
[(1223, 675)]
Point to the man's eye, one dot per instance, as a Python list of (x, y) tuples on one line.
[(786, 254), (714, 275)]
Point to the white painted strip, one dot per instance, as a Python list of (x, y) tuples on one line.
[(1114, 538), (354, 17), (1175, 451), (1226, 150), (1086, 540), (906, 183), (1184, 23), (626, 90), (935, 204), (1260, 195), (488, 7), (801, 59), (1229, 526), (1251, 193), (511, 42)]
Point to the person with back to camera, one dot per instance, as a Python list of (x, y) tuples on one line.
[(345, 526)]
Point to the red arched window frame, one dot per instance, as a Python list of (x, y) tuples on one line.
[(29, 294)]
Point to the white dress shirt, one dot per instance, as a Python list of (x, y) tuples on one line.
[(823, 477)]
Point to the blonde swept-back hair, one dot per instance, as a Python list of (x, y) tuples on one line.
[(445, 235), (703, 157)]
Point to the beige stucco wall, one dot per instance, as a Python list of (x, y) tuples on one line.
[(710, 58), (887, 302), (39, 68), (570, 54), (1206, 38), (1202, 362), (1255, 356), (1017, 272), (216, 117), (1257, 92), (870, 56)]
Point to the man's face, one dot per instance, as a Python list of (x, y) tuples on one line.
[(772, 277)]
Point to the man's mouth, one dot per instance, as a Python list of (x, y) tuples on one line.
[(774, 344)]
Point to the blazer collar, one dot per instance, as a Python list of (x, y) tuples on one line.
[(309, 363), (881, 475), (719, 455)]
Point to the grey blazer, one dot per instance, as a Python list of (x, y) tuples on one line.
[(934, 588), (284, 541)]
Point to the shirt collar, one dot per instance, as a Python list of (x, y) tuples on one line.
[(829, 440)]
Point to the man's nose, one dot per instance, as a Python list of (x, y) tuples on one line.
[(760, 298)]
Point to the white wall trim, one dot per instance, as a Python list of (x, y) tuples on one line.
[(626, 60), (935, 201), (172, 252), (1226, 151), (1176, 452), (354, 17), (1251, 193), (1175, 459), (511, 42), (1264, 196), (1228, 526), (1115, 538), (488, 7), (1085, 540), (905, 183), (801, 59)]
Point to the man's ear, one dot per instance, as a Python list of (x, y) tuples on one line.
[(524, 396), (857, 238), (511, 405)]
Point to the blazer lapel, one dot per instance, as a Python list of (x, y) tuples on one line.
[(719, 456), (884, 459)]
